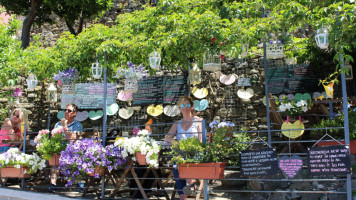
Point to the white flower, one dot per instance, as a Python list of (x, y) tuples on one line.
[(17, 166), (305, 109), (289, 106), (282, 108)]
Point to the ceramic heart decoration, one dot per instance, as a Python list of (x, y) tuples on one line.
[(200, 93), (155, 110), (282, 96), (264, 100), (81, 116), (245, 94), (126, 113), (316, 95), (112, 109), (306, 96), (227, 79), (201, 105), (60, 115), (290, 166), (124, 96), (171, 111), (95, 115), (290, 96), (295, 133), (298, 96)]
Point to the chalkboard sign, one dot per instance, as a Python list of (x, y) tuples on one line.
[(290, 165), (90, 95), (292, 78), (331, 160), (159, 90), (243, 82), (262, 162)]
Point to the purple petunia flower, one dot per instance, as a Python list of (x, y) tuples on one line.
[(18, 92)]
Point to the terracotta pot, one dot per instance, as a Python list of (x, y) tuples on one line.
[(55, 160), (334, 143), (202, 170), (12, 172), (99, 170), (141, 159)]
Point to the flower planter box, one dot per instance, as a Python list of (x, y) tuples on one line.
[(99, 170), (12, 172), (334, 143), (141, 159), (202, 170), (55, 160)]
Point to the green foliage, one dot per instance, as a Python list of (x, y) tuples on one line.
[(3, 112), (190, 150)]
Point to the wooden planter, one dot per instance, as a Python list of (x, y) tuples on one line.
[(12, 172), (55, 160), (99, 170), (334, 143), (202, 171), (141, 159)]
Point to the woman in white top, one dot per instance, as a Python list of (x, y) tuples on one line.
[(189, 126)]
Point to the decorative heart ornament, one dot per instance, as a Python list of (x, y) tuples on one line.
[(296, 125), (264, 100), (228, 79), (245, 94), (282, 96), (60, 115), (200, 93), (95, 115), (112, 109), (316, 95), (201, 105), (155, 111), (290, 96), (126, 113), (124, 96), (290, 166), (300, 96), (81, 116), (171, 111)]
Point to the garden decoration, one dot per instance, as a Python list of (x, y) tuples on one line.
[(287, 127), (132, 74), (155, 110), (51, 93), (31, 82), (14, 164), (228, 79), (290, 96), (244, 50), (60, 115), (211, 62), (171, 111), (126, 113), (81, 116), (66, 79), (112, 109), (274, 49), (201, 105), (88, 157), (141, 146), (245, 94), (200, 93), (322, 38), (50, 147), (290, 165), (94, 115), (328, 84), (195, 75), (96, 70), (350, 75), (155, 60), (264, 100), (300, 96), (318, 95), (124, 96)]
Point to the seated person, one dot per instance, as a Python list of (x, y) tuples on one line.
[(7, 133)]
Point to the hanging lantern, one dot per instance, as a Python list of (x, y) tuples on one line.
[(131, 85), (321, 38), (195, 75), (96, 70), (350, 74), (274, 50), (155, 60), (31, 81), (211, 62), (52, 93), (244, 50)]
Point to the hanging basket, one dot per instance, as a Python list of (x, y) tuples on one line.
[(55, 160), (99, 170), (68, 88), (202, 171), (141, 159), (131, 85), (12, 172)]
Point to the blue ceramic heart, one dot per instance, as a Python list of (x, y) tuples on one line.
[(201, 105), (60, 115)]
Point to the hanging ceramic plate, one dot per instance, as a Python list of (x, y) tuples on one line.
[(94, 115), (316, 95), (200, 93), (201, 105), (171, 111), (245, 94), (290, 96), (81, 116), (295, 133), (227, 79), (124, 96), (112, 109), (126, 113), (60, 115), (155, 110), (264, 100)]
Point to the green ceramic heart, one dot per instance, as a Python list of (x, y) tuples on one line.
[(112, 109), (298, 96), (306, 96), (95, 115), (60, 115)]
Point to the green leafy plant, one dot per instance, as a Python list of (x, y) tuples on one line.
[(47, 146)]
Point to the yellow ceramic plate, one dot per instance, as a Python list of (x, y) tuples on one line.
[(155, 110), (200, 92)]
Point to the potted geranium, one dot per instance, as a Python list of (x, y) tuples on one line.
[(15, 164), (88, 157), (132, 74), (143, 148), (66, 79), (51, 147)]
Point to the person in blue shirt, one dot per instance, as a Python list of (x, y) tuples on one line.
[(71, 128)]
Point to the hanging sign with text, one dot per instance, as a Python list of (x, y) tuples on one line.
[(262, 162), (330, 160), (290, 165)]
